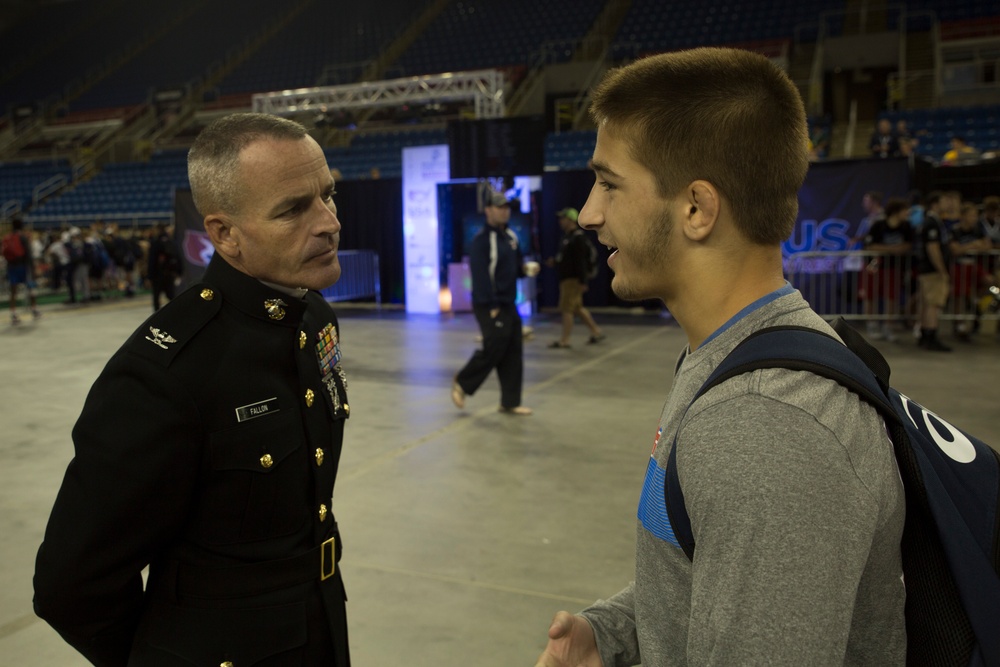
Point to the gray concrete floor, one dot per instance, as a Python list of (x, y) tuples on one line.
[(464, 531)]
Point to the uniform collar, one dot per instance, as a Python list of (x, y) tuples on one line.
[(251, 296)]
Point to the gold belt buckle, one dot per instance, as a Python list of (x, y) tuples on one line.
[(331, 546)]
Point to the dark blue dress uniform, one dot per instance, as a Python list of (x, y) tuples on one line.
[(207, 449)]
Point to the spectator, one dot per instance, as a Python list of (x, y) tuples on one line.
[(991, 219), (892, 237), (58, 259), (165, 266), (907, 142), (123, 253), (572, 263), (883, 143), (933, 261), (951, 206), (95, 257), (17, 251), (969, 243), (960, 153), (819, 142), (77, 270)]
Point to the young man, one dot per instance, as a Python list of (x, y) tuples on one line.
[(969, 245), (208, 447), (883, 143), (496, 262), (20, 269), (789, 480), (893, 237), (572, 263)]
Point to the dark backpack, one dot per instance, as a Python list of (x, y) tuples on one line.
[(592, 258), (13, 248), (951, 538), (95, 255)]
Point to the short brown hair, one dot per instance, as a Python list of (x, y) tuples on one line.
[(895, 206), (728, 116), (213, 161)]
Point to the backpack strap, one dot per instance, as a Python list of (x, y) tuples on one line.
[(794, 348)]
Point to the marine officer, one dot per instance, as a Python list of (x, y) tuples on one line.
[(208, 447)]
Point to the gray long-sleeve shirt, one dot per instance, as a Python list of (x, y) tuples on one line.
[(797, 510)]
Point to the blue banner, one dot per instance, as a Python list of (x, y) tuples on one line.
[(830, 201)]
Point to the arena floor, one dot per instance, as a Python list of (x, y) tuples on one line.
[(464, 531)]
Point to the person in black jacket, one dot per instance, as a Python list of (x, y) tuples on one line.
[(573, 264), (165, 265), (208, 447), (496, 262)]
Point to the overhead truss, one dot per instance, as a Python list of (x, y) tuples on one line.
[(484, 87)]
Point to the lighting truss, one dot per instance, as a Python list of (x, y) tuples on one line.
[(484, 87)]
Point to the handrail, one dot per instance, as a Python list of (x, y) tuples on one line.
[(47, 187), (9, 208)]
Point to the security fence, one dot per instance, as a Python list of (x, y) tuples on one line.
[(875, 286)]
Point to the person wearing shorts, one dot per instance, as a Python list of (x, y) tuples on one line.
[(21, 272), (572, 267)]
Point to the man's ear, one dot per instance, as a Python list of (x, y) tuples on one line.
[(703, 208), (222, 233)]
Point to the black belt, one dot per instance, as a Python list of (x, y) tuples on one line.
[(317, 564)]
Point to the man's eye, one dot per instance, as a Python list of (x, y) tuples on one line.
[(606, 186)]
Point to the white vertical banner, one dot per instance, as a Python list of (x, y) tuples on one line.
[(423, 168)]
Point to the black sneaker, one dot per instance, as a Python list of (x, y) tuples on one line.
[(934, 345)]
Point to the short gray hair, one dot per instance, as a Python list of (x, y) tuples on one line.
[(213, 160)]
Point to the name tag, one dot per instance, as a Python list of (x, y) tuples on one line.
[(258, 409)]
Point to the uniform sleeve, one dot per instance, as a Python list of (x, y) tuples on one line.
[(613, 621), (124, 497), (783, 529)]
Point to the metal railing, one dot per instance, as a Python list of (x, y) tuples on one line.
[(874, 286), (359, 277)]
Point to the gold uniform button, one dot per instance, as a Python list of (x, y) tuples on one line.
[(226, 664), (322, 513), (266, 461), (302, 339), (319, 456), (310, 397), (347, 409), (207, 294)]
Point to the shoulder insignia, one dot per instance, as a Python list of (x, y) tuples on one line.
[(160, 338), (170, 329)]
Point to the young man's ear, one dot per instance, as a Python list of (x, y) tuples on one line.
[(222, 234), (703, 208)]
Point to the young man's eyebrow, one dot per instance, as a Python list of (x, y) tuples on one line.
[(602, 168)]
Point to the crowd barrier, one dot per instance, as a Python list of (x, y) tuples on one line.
[(864, 285), (359, 277)]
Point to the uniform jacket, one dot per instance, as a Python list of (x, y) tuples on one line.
[(207, 449)]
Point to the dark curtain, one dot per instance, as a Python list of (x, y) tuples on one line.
[(371, 218)]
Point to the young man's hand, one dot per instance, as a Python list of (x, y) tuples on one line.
[(571, 643)]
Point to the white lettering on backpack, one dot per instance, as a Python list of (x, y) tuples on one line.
[(959, 448)]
